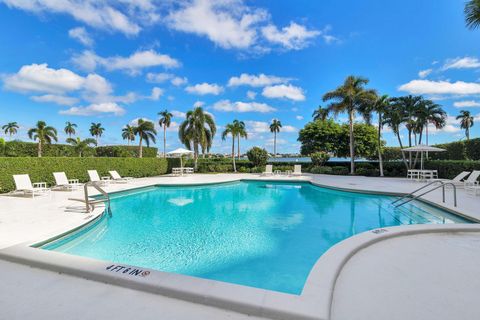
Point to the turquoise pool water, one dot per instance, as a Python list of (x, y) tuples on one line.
[(261, 234)]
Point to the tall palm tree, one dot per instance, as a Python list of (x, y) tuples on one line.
[(10, 128), (472, 14), (394, 117), (145, 131), (81, 145), (43, 134), (96, 130), (165, 121), (128, 133), (410, 104), (70, 128), (466, 122), (231, 129), (430, 113), (241, 133), (350, 97), (275, 128), (197, 131), (320, 114)]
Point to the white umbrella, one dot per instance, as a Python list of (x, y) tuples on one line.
[(423, 148), (179, 153)]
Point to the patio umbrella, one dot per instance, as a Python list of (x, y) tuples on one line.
[(423, 148), (179, 153)]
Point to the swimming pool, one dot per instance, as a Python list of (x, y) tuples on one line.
[(255, 233)]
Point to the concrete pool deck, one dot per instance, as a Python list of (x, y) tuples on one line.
[(31, 220)]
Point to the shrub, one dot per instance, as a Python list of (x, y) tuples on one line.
[(321, 170), (41, 169), (337, 170), (319, 158), (125, 151), (257, 156), (473, 149), (391, 154), (449, 169), (454, 151)]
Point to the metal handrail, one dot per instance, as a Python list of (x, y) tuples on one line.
[(442, 185), (103, 192)]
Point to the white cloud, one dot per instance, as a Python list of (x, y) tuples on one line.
[(98, 14), (95, 109), (156, 93), (251, 95), (179, 81), (158, 77), (41, 78), (81, 35), (178, 114), (198, 104), (271, 141), (440, 87), (226, 105), (284, 91), (451, 126), (205, 88), (260, 80), (293, 36), (132, 64), (424, 73), (299, 117), (462, 63), (227, 23), (60, 100), (466, 104)]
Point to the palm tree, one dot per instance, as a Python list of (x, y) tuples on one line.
[(320, 114), (196, 131), (472, 14), (128, 133), (430, 113), (81, 145), (241, 133), (10, 128), (44, 134), (165, 121), (96, 130), (350, 97), (275, 128), (231, 129), (70, 128), (410, 104), (466, 122), (394, 116), (145, 131)]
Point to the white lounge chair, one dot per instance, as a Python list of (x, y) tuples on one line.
[(472, 181), (459, 179), (268, 170), (297, 170), (24, 184), (94, 177), (62, 182), (118, 178)]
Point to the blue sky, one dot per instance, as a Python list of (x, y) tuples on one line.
[(116, 61)]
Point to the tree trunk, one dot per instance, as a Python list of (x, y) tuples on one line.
[(164, 141), (467, 133), (426, 137), (238, 146), (403, 154), (233, 153), (352, 150), (39, 148), (140, 148), (380, 160), (275, 144), (410, 144), (195, 154)]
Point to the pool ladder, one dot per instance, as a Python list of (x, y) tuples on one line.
[(89, 203), (412, 196)]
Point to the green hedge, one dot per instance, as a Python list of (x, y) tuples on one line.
[(125, 151), (41, 169), (449, 169)]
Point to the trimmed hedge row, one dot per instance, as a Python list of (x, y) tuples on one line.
[(29, 149), (41, 169)]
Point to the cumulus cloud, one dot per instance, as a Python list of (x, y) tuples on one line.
[(284, 91), (158, 77), (440, 87), (299, 117), (227, 23), (251, 95), (81, 35), (98, 14), (57, 99), (238, 106), (95, 109), (156, 93), (179, 81), (466, 104), (462, 63), (178, 114), (133, 64), (424, 73), (205, 88), (198, 104), (260, 80), (293, 36)]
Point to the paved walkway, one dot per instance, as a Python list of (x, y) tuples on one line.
[(381, 277)]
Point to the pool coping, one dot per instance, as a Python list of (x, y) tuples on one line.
[(314, 302)]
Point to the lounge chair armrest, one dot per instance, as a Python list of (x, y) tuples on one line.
[(40, 185), (73, 181)]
